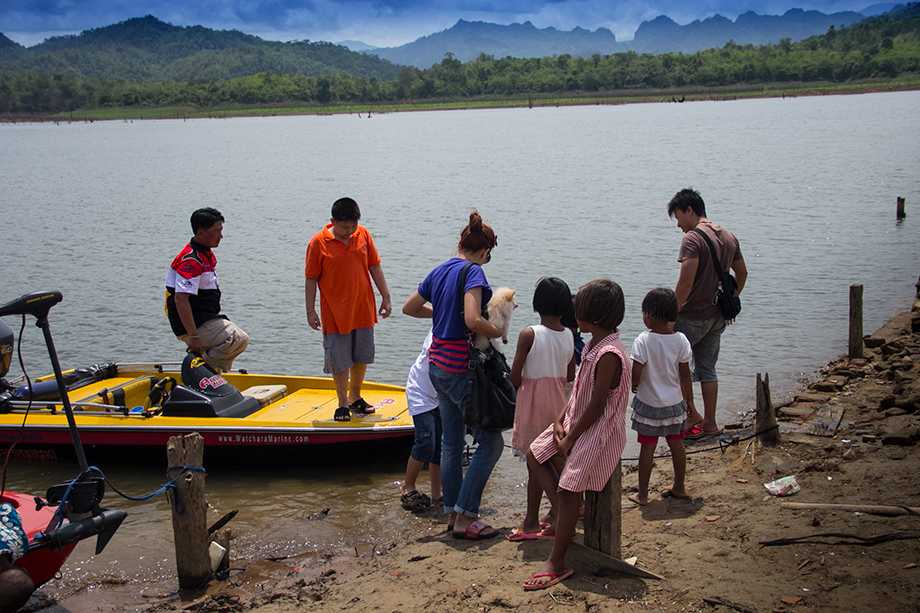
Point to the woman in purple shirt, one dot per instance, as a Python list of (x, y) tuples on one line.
[(439, 297)]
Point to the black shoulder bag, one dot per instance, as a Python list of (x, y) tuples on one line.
[(726, 299), (490, 405)]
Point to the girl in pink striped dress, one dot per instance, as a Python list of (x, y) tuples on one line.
[(543, 363), (583, 446)]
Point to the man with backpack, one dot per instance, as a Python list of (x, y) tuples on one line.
[(707, 293)]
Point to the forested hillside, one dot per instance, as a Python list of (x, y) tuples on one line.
[(882, 47), (147, 49)]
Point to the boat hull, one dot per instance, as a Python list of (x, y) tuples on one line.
[(115, 412)]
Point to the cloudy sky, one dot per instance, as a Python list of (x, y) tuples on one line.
[(377, 22)]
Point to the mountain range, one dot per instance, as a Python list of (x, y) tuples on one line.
[(468, 39), (664, 34), (147, 49)]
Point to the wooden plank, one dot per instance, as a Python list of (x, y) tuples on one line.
[(189, 512), (590, 561), (603, 512), (873, 509)]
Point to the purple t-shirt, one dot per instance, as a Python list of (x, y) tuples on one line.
[(440, 289)]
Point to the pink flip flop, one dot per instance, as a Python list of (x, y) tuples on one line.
[(476, 531), (517, 535), (534, 583)]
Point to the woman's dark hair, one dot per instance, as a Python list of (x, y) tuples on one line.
[(345, 209), (600, 302), (477, 235), (552, 297), (687, 198), (660, 304), (205, 218)]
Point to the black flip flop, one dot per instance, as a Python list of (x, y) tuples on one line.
[(361, 407), (342, 414)]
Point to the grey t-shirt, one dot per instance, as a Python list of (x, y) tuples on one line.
[(700, 303)]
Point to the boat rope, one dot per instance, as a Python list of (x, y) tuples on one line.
[(22, 427), (169, 484), (724, 443)]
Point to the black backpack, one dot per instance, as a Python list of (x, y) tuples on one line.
[(490, 405), (726, 299)]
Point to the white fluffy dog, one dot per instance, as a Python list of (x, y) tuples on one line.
[(499, 309)]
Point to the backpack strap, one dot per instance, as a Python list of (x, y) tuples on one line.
[(716, 263), (461, 290)]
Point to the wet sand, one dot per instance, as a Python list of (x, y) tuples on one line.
[(707, 549)]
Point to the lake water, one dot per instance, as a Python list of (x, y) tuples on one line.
[(97, 211)]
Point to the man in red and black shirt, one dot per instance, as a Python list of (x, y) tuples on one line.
[(193, 296)]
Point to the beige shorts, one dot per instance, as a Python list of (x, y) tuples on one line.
[(221, 341)]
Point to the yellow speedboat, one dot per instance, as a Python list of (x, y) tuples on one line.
[(145, 404)]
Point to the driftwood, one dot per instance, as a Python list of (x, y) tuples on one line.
[(872, 509), (844, 538), (718, 601)]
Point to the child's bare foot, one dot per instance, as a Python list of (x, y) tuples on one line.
[(677, 494), (639, 500), (694, 418)]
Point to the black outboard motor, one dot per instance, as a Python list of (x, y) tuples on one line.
[(78, 500), (205, 393), (6, 356), (6, 348)]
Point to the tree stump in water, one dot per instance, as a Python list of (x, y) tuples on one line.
[(765, 418), (856, 322)]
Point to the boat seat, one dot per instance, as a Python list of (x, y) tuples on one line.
[(185, 402), (265, 394)]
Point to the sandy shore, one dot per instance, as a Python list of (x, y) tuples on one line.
[(708, 550)]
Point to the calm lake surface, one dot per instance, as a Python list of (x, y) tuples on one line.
[(97, 211)]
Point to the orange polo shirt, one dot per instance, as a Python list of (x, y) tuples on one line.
[(346, 298)]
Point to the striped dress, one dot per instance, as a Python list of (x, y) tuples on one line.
[(596, 453)]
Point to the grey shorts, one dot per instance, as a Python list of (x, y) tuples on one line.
[(705, 337), (345, 350)]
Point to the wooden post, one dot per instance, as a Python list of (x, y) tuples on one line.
[(765, 417), (856, 321), (600, 551), (603, 516), (900, 209), (189, 508)]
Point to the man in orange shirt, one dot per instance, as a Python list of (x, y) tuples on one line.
[(341, 260)]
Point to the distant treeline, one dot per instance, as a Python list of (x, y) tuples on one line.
[(887, 46)]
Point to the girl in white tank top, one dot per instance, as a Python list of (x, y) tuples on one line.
[(543, 364)]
